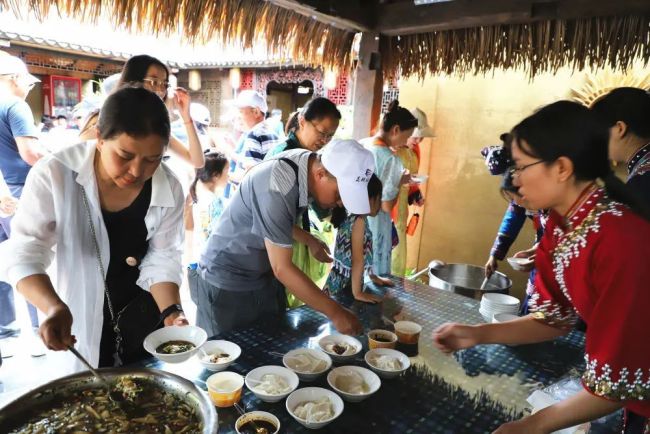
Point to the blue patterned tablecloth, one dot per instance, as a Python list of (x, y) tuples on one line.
[(474, 391)]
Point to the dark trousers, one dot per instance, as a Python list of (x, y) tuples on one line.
[(7, 306), (636, 424), (219, 310)]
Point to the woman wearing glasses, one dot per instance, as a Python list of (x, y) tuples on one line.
[(311, 128), (154, 76), (589, 263)]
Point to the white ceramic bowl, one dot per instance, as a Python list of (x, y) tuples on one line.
[(520, 264), (494, 298), (193, 334), (383, 373), (371, 379), (337, 339), (289, 361), (212, 347), (307, 394), (257, 415), (255, 376), (503, 317)]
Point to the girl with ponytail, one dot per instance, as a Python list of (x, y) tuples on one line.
[(590, 263), (395, 128)]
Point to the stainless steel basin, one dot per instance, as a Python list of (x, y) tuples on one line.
[(466, 279), (59, 388)]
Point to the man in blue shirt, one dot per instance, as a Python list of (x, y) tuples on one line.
[(19, 150)]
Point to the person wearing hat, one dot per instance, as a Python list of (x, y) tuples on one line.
[(499, 162), (258, 138), (408, 194), (201, 117), (19, 150), (250, 248)]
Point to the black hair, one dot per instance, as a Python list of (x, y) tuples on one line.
[(339, 214), (134, 111), (569, 129), (396, 115), (508, 187), (292, 123), (626, 104), (215, 163), (61, 117), (135, 69), (316, 108)]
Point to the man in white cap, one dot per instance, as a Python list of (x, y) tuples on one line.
[(19, 150), (250, 249), (259, 137)]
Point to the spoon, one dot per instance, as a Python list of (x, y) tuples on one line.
[(275, 353), (257, 429), (114, 395)]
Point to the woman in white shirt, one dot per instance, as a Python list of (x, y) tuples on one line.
[(113, 200)]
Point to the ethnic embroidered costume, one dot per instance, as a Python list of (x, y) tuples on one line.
[(593, 263)]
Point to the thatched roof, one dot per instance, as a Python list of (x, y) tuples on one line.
[(587, 34), (287, 34), (541, 46)]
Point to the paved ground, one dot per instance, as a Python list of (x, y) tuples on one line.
[(25, 361)]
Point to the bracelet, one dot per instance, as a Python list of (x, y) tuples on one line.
[(170, 310)]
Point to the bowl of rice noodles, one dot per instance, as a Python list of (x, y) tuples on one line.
[(80, 402)]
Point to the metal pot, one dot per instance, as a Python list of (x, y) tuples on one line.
[(466, 279), (12, 414)]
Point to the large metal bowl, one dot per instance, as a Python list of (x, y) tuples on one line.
[(466, 279), (17, 412)]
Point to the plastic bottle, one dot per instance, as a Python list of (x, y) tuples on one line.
[(413, 224)]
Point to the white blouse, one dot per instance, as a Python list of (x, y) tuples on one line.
[(52, 221)]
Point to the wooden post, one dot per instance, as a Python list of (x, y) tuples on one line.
[(363, 91)]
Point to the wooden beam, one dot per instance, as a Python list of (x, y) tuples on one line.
[(347, 15), (404, 18)]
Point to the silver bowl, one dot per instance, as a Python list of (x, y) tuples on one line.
[(466, 279), (11, 415)]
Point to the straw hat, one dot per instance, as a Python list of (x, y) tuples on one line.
[(423, 129)]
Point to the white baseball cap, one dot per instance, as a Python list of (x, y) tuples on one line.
[(352, 165), (250, 98), (423, 129), (10, 65), (200, 113)]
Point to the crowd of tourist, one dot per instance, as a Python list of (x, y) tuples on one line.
[(289, 217)]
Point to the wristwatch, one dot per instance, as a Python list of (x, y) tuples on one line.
[(170, 310)]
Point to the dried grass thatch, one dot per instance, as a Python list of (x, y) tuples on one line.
[(597, 85), (287, 34), (537, 47)]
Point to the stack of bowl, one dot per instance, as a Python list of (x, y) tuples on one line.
[(494, 303)]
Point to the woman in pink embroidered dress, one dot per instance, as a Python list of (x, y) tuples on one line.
[(591, 262)]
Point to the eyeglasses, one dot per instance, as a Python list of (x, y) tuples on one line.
[(22, 78), (155, 83), (515, 171), (323, 135)]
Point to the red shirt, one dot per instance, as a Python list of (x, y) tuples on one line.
[(594, 263)]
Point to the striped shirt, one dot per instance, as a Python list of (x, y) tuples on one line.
[(258, 141)]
